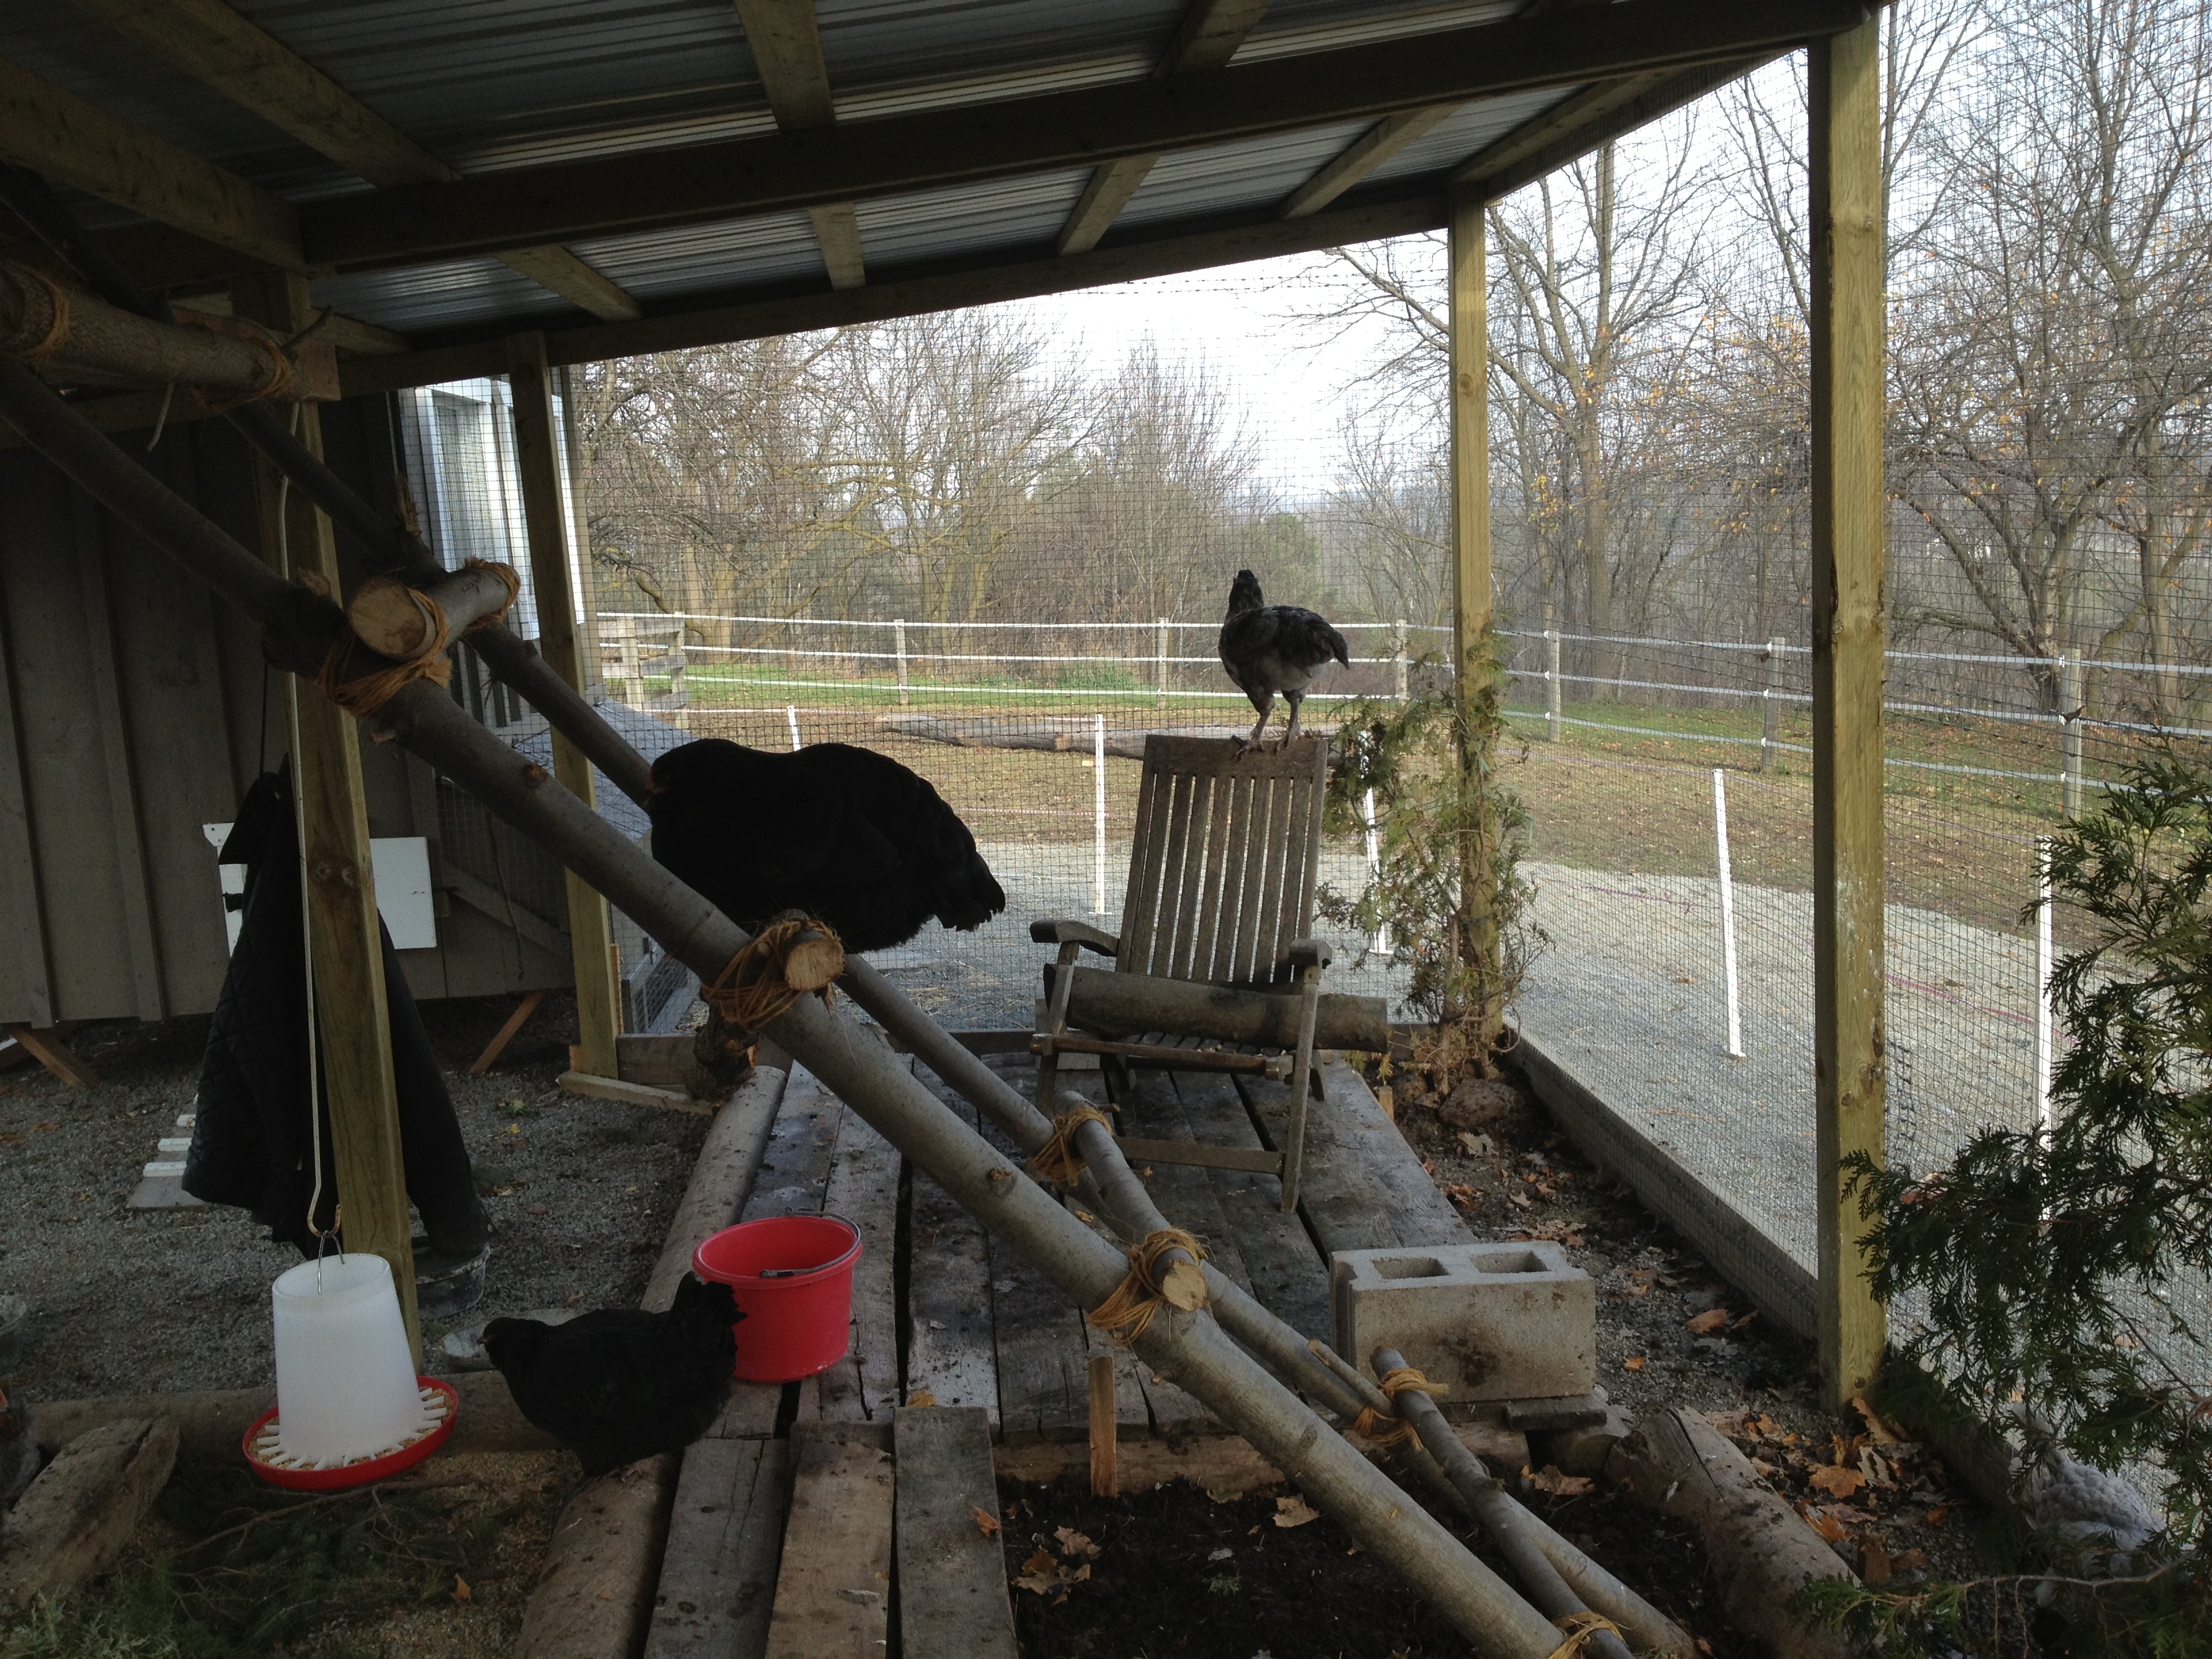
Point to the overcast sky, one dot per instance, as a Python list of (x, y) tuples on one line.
[(1287, 382)]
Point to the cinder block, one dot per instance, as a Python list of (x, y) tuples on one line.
[(1493, 1321)]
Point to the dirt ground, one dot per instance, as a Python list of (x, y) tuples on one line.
[(124, 1301)]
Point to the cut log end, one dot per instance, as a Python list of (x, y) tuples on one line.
[(386, 619), (1183, 1284), (813, 963)]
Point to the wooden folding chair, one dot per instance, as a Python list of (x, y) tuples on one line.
[(1214, 948)]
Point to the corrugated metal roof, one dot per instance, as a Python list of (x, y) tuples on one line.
[(488, 85)]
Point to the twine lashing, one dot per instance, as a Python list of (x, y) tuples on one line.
[(367, 693), (750, 992), (432, 613), (1399, 1379), (1127, 1314), (1581, 1627), (1057, 1161), (507, 574), (1368, 1425), (278, 379)]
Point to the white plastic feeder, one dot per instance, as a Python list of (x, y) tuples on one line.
[(346, 1380)]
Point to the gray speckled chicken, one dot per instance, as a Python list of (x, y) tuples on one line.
[(2095, 1520), (18, 1451), (1273, 650)]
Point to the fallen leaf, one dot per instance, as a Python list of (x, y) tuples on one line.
[(1221, 1554), (460, 1588), (1633, 1363), (985, 1520), (1744, 1321), (1562, 1485), (1835, 1481), (1911, 1561), (1879, 1431), (1073, 1543), (919, 1397), (1762, 1469), (35, 1128), (1711, 1320), (1294, 1512), (1823, 1524), (1475, 1146), (1769, 1428), (1937, 1516), (1874, 1561), (1224, 1494)]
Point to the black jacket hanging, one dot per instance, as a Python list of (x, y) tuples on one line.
[(251, 1144)]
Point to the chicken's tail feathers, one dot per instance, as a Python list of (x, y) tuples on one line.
[(970, 898), (1337, 647)]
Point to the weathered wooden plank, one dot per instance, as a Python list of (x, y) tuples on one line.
[(115, 746), (951, 1572), (1849, 517), (1365, 1189), (725, 1539), (863, 1190), (1042, 1346), (833, 1590), (77, 1516), (949, 1352), (1285, 1273), (793, 1179)]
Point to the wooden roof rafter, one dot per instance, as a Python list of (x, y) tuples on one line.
[(215, 45), (786, 38)]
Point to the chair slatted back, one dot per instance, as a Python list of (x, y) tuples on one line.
[(1227, 853)]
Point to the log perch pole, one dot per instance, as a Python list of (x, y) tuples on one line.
[(1191, 1349)]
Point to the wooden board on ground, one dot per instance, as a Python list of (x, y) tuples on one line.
[(70, 1523), (1042, 1344), (1287, 1274), (949, 1352), (863, 1189), (951, 1569), (833, 1588), (794, 1180), (1364, 1188), (725, 1539)]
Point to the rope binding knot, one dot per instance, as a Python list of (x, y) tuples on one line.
[(1581, 1627), (507, 574), (1394, 1430), (1057, 1162), (364, 694), (785, 960), (1153, 1279)]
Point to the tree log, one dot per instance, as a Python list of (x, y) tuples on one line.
[(77, 337), (594, 1590), (391, 616), (82, 1508), (1125, 1005), (1760, 1550), (1189, 1348)]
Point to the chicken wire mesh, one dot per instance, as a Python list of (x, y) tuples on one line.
[(947, 538)]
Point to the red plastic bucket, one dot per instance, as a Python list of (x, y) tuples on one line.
[(793, 1277)]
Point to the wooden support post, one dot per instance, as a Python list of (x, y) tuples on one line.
[(538, 460), (50, 1049), (1105, 1430), (1471, 644), (352, 1026), (1847, 682), (505, 1035)]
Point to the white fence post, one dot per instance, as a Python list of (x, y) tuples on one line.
[(1374, 868), (898, 648), (1098, 811), (1770, 730), (2043, 1020), (1163, 653), (1398, 658), (791, 713), (1728, 914), (2069, 736), (1551, 684), (633, 676)]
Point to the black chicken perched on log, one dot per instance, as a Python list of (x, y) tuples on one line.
[(843, 834), (1274, 648), (620, 1383)]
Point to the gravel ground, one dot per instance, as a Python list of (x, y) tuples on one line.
[(580, 1193)]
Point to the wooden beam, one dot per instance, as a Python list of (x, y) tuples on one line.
[(1228, 239), (348, 334), (24, 915), (787, 44), (51, 1050), (643, 191), (505, 1035), (538, 462), (1469, 300), (1367, 152), (1579, 125), (1206, 39), (353, 1022), (1848, 513), (74, 140), (212, 43)]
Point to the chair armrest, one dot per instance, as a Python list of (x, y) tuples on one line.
[(1312, 952), (1065, 930)]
